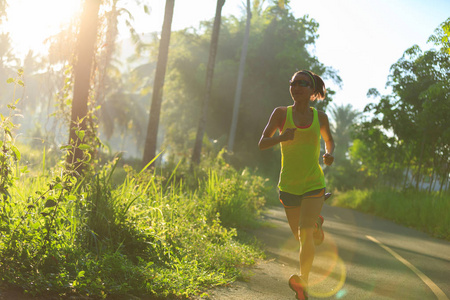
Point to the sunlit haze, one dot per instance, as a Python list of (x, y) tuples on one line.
[(360, 39), (30, 22)]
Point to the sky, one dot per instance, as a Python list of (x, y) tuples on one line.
[(360, 39)]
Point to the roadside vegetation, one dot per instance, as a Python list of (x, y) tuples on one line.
[(118, 230), (416, 209), (159, 232)]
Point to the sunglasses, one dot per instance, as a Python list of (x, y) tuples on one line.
[(302, 83)]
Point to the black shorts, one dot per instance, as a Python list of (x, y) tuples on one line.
[(291, 200)]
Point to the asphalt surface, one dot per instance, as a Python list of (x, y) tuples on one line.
[(362, 257)]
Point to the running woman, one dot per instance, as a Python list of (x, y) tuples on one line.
[(301, 183)]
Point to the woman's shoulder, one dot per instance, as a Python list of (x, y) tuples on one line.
[(322, 114), (281, 108), (279, 116), (280, 111), (323, 118)]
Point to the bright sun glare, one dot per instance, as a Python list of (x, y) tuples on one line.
[(30, 22)]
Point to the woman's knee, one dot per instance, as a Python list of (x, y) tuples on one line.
[(307, 223)]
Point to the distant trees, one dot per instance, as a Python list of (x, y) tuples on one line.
[(406, 143), (7, 60), (344, 174), (343, 118), (277, 47)]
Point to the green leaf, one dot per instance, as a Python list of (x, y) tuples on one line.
[(58, 186), (24, 170), (71, 197), (10, 80), (16, 152), (50, 203), (84, 147), (80, 134)]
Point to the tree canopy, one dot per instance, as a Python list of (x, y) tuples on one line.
[(278, 46)]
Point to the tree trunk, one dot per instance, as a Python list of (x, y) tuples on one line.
[(155, 109), (444, 179), (237, 96), (105, 62), (420, 163), (85, 54), (209, 77), (391, 169), (433, 173), (406, 175)]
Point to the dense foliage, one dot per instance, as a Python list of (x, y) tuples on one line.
[(278, 46), (166, 231), (403, 139), (160, 232)]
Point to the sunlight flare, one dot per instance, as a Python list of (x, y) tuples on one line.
[(30, 22)]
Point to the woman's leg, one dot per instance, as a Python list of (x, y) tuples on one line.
[(310, 210), (293, 217)]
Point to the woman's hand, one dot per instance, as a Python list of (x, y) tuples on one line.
[(288, 134), (328, 159)]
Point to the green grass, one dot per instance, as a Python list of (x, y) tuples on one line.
[(416, 209), (162, 232)]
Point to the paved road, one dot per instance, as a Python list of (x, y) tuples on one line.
[(363, 257)]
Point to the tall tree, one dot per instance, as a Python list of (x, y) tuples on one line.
[(343, 117), (278, 39), (237, 95), (209, 77), (413, 119), (85, 53), (155, 109)]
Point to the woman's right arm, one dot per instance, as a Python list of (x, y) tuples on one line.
[(275, 122)]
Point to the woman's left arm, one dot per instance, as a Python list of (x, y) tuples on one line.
[(325, 131)]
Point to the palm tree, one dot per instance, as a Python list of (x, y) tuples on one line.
[(85, 55), (237, 96), (343, 117), (155, 109), (209, 77)]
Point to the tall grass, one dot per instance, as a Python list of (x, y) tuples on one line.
[(417, 209), (159, 232)]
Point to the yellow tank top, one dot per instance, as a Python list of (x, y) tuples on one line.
[(300, 169)]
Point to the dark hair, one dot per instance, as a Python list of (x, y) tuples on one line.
[(319, 85)]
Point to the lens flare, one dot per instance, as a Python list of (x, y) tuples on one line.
[(330, 276)]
